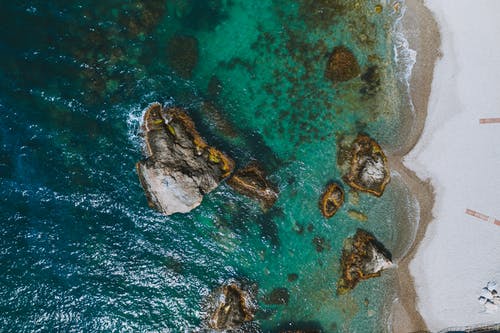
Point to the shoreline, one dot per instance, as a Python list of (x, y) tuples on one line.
[(418, 19), (459, 253)]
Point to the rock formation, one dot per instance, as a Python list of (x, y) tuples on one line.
[(363, 257), (230, 307), (180, 167), (251, 181), (368, 171), (331, 200), (342, 65)]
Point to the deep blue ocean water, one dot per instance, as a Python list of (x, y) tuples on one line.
[(81, 251)]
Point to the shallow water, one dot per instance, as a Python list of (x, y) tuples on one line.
[(81, 251)]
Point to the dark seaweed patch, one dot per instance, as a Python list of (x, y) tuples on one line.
[(204, 15)]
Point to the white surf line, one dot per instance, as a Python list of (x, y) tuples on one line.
[(481, 216), (489, 120)]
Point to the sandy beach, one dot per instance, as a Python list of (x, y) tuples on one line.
[(456, 158)]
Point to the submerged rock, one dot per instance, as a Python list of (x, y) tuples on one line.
[(331, 200), (342, 65), (368, 171), (357, 215), (371, 79), (321, 244), (180, 168), (363, 257), (278, 296), (300, 327), (251, 181), (214, 88), (182, 55), (230, 307), (217, 121)]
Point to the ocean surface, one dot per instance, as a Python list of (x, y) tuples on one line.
[(80, 251)]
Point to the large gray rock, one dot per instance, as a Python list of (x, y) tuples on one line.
[(180, 167), (363, 257), (366, 163)]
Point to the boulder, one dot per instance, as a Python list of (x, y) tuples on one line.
[(363, 257), (342, 65), (331, 200), (368, 171), (180, 167), (230, 307), (251, 181)]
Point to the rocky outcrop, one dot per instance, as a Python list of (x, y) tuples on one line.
[(363, 257), (368, 171), (180, 167), (342, 65), (331, 200), (230, 307), (251, 181)]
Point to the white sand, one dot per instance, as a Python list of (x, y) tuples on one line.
[(460, 253)]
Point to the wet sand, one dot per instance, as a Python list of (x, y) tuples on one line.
[(423, 35)]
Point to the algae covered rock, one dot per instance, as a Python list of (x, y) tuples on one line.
[(180, 167), (342, 65), (331, 200), (230, 307), (363, 257), (252, 182), (367, 166)]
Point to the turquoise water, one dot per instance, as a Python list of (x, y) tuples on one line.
[(81, 251)]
